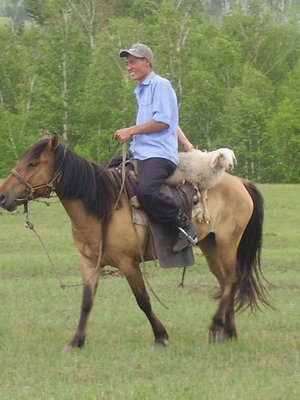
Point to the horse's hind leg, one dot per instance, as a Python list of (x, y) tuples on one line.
[(217, 331), (223, 326), (230, 328), (223, 267), (135, 279)]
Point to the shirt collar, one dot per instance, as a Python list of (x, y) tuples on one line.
[(146, 82), (148, 78)]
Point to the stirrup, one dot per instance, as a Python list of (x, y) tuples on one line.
[(188, 237), (184, 240)]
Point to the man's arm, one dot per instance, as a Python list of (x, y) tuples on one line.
[(183, 140), (121, 135)]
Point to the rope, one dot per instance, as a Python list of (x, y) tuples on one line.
[(150, 287), (123, 175), (30, 226), (144, 266), (63, 285)]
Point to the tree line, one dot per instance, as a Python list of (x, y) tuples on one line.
[(236, 72)]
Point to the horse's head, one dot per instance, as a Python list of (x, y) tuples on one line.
[(33, 176)]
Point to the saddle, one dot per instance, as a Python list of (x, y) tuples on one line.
[(162, 236)]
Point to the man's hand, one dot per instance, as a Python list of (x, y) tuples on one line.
[(121, 135), (188, 146), (183, 140)]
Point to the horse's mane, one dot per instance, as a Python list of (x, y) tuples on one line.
[(96, 186)]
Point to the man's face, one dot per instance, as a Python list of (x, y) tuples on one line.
[(138, 68)]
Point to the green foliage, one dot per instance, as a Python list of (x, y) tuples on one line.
[(244, 118), (236, 76), (283, 133), (35, 10)]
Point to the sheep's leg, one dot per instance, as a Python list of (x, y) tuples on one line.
[(205, 207), (199, 215), (198, 212), (206, 217)]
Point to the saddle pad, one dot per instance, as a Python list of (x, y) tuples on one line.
[(164, 239)]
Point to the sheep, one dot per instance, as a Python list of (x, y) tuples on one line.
[(204, 170)]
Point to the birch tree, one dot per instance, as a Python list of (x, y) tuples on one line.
[(88, 12)]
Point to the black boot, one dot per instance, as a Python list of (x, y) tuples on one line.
[(187, 235)]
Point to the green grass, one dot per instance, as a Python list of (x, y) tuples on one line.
[(119, 360)]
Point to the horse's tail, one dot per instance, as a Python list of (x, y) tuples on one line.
[(250, 290)]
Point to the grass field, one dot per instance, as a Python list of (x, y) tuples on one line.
[(119, 360)]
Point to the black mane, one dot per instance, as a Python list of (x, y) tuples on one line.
[(96, 186)]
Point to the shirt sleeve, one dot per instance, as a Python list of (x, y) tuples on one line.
[(163, 102)]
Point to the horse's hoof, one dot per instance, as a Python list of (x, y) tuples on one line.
[(67, 349), (220, 336), (211, 337), (231, 334), (161, 342), (216, 336)]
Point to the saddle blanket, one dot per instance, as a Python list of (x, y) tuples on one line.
[(163, 238)]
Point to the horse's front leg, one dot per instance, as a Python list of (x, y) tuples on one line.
[(135, 279), (90, 276)]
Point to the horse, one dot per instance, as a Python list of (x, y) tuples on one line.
[(104, 233)]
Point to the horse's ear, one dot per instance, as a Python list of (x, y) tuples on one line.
[(53, 142)]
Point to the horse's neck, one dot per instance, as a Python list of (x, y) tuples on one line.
[(80, 219)]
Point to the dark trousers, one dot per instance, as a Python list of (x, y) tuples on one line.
[(152, 173)]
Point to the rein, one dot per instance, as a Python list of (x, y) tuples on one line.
[(51, 188), (30, 226), (123, 175), (63, 285)]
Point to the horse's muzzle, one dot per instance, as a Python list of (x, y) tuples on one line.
[(8, 205)]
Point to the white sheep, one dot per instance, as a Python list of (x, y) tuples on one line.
[(204, 170)]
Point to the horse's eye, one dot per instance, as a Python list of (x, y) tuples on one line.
[(32, 164)]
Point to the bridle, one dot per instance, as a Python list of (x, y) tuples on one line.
[(49, 186)]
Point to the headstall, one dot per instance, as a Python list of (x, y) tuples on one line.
[(49, 187)]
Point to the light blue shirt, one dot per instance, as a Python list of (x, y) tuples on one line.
[(156, 101)]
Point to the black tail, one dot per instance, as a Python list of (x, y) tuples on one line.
[(250, 290)]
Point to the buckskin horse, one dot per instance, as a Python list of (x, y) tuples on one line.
[(104, 232)]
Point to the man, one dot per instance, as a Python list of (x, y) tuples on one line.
[(155, 142)]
